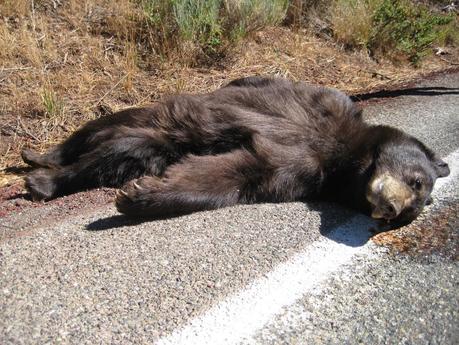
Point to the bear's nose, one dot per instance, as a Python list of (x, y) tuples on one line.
[(389, 209), (392, 209)]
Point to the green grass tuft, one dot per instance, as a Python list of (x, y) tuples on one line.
[(53, 106)]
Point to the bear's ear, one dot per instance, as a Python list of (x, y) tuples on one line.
[(441, 167)]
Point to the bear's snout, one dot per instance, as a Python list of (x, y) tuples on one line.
[(389, 197), (387, 209)]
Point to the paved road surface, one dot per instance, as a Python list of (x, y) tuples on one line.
[(261, 274)]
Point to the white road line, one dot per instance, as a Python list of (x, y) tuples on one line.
[(241, 315)]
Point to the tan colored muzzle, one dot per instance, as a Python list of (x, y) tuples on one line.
[(388, 196)]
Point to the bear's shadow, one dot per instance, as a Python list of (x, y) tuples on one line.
[(346, 226), (336, 223)]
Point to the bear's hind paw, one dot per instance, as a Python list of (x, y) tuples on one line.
[(139, 197)]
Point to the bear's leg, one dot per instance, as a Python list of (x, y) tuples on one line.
[(52, 159), (195, 183), (254, 81), (111, 164), (88, 137), (41, 183), (82, 141), (36, 160)]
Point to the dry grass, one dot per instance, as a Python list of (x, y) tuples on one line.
[(63, 65), (247, 16), (352, 21), (15, 8)]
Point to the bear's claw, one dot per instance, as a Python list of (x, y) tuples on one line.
[(137, 196)]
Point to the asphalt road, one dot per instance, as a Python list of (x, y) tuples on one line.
[(262, 274)]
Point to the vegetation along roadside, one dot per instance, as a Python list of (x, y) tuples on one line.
[(65, 62)]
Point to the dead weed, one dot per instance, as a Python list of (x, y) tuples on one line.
[(61, 66)]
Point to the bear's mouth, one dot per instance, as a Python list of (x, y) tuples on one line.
[(389, 197)]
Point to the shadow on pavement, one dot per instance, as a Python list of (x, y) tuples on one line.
[(120, 220), (416, 91), (347, 226), (336, 223), (113, 222)]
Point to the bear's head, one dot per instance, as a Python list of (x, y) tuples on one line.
[(404, 174)]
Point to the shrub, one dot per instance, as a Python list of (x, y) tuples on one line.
[(352, 21), (205, 26), (397, 29), (160, 30), (400, 27), (183, 27), (244, 16), (301, 12), (198, 21)]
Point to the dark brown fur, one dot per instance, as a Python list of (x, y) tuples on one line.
[(255, 140)]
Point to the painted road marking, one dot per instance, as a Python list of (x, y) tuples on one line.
[(239, 316), (249, 310)]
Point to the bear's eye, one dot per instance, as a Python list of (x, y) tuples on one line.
[(416, 184)]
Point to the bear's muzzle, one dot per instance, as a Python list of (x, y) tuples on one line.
[(389, 196)]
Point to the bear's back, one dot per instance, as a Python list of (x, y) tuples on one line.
[(288, 112)]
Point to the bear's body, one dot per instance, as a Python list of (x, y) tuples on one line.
[(255, 140)]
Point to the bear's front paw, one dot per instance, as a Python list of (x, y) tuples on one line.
[(40, 184), (139, 197)]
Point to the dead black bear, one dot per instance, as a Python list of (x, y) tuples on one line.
[(254, 140)]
